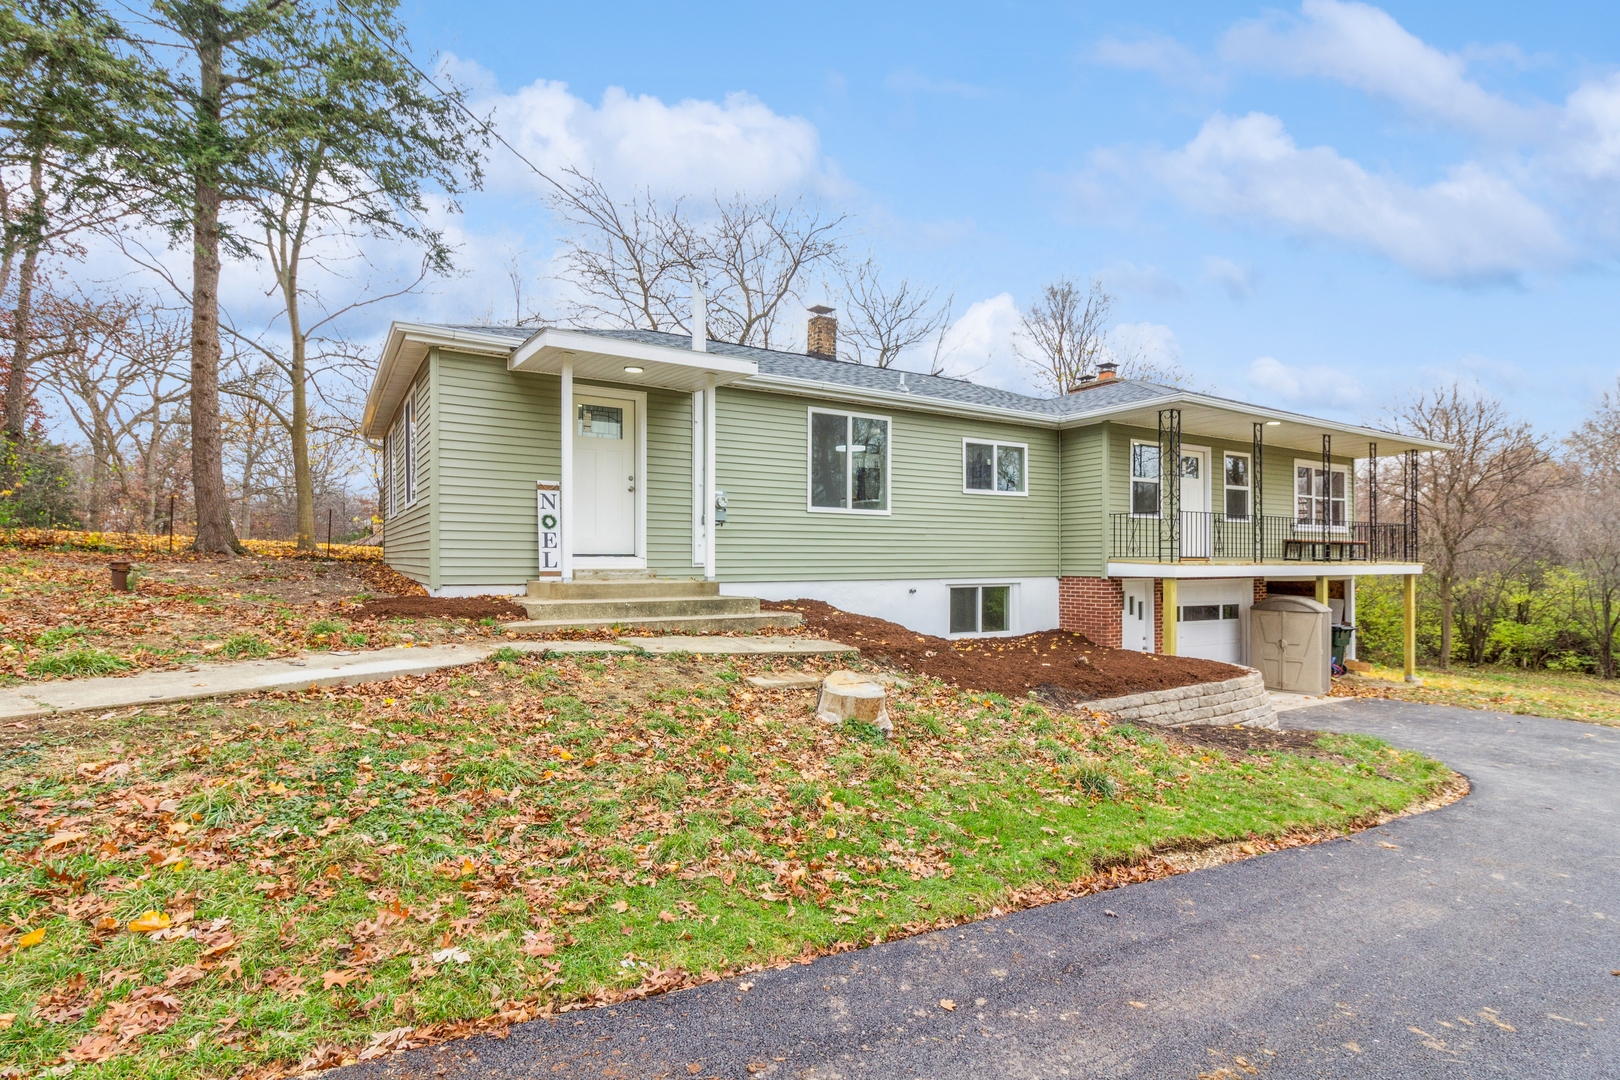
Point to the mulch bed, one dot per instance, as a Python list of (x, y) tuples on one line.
[(1241, 740), (439, 607), (1059, 664)]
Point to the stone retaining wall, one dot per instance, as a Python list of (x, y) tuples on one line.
[(1242, 700)]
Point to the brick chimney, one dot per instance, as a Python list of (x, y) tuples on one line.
[(821, 339), (1107, 372)]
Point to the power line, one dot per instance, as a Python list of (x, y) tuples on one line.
[(483, 125)]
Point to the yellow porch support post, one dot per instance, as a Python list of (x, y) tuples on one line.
[(1168, 617), (1409, 626), (1322, 591)]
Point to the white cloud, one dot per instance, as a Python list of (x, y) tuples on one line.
[(1364, 47), (1237, 280), (690, 147), (1153, 344), (980, 345), (1165, 57), (1303, 386), (1473, 225)]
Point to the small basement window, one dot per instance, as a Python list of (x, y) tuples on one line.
[(981, 609), (994, 467), (1210, 612)]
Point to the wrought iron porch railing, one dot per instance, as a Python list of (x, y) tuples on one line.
[(1201, 535)]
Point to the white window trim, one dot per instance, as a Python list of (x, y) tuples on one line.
[(1225, 487), (849, 465), (996, 445), (389, 442), (1012, 609), (1131, 479), (1315, 465), (408, 454)]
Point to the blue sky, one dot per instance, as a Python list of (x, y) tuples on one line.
[(1321, 206)]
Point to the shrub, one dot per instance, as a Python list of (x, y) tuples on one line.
[(238, 646), (78, 662)]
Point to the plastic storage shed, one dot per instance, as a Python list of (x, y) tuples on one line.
[(1289, 643)]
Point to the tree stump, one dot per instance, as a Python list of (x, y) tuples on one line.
[(848, 695)]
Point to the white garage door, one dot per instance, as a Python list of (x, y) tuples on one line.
[(1213, 614)]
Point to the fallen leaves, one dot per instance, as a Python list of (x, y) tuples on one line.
[(947, 1004), (341, 978), (149, 923), (32, 938)]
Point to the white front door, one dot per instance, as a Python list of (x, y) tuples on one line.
[(605, 431), (1196, 523), (1137, 626), (1212, 618)]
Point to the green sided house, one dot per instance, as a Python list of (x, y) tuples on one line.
[(520, 460)]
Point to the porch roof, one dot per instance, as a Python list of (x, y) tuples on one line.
[(621, 360)]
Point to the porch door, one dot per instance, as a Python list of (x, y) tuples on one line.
[(1137, 617), (605, 431), (1197, 527)]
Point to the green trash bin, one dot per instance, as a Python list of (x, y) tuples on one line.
[(1341, 643)]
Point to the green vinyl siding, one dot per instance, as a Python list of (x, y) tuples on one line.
[(669, 480), (408, 538), (1086, 484), (498, 436), (934, 529)]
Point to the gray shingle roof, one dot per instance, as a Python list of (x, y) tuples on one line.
[(891, 380)]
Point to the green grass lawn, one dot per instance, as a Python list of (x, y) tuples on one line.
[(209, 890), (1560, 695)]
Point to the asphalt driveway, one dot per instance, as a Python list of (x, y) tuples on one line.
[(1474, 941)]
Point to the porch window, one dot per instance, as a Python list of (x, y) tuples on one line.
[(1238, 487), (981, 609), (994, 467), (1320, 498), (1145, 479), (849, 462)]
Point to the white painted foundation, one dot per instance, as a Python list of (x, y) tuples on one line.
[(920, 604)]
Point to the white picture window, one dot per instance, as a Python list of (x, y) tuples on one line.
[(849, 462), (1145, 479), (407, 435), (981, 609), (1239, 487), (995, 468), (1321, 498)]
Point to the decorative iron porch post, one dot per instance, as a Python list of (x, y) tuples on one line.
[(1257, 503), (1374, 546), (1170, 484), (1411, 471)]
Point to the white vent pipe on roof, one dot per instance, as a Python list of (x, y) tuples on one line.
[(700, 317)]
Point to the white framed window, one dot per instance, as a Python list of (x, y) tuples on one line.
[(1321, 498), (981, 609), (407, 434), (849, 462), (995, 468), (1239, 486), (1145, 479)]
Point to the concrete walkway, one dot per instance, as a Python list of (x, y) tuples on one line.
[(228, 679)]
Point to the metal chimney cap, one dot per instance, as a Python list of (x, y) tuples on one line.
[(821, 309)]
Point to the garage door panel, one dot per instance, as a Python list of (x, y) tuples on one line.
[(1211, 620)]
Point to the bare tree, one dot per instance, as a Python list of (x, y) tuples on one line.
[(1473, 496), (1586, 523), (1063, 333), (884, 320), (633, 261)]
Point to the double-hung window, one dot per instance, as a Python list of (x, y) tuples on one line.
[(1320, 498), (408, 450), (1238, 487), (995, 468), (849, 462), (1145, 479), (981, 609)]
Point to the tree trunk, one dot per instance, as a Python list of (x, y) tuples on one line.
[(1606, 641), (1447, 614), (22, 329), (209, 497), (303, 483)]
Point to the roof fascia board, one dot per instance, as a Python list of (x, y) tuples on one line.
[(576, 341), (427, 335)]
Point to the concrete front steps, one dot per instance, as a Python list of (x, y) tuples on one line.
[(661, 605)]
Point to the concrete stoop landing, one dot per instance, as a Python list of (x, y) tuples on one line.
[(662, 605)]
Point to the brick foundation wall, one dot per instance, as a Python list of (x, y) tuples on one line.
[(1259, 589), (1158, 616), (1093, 607)]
